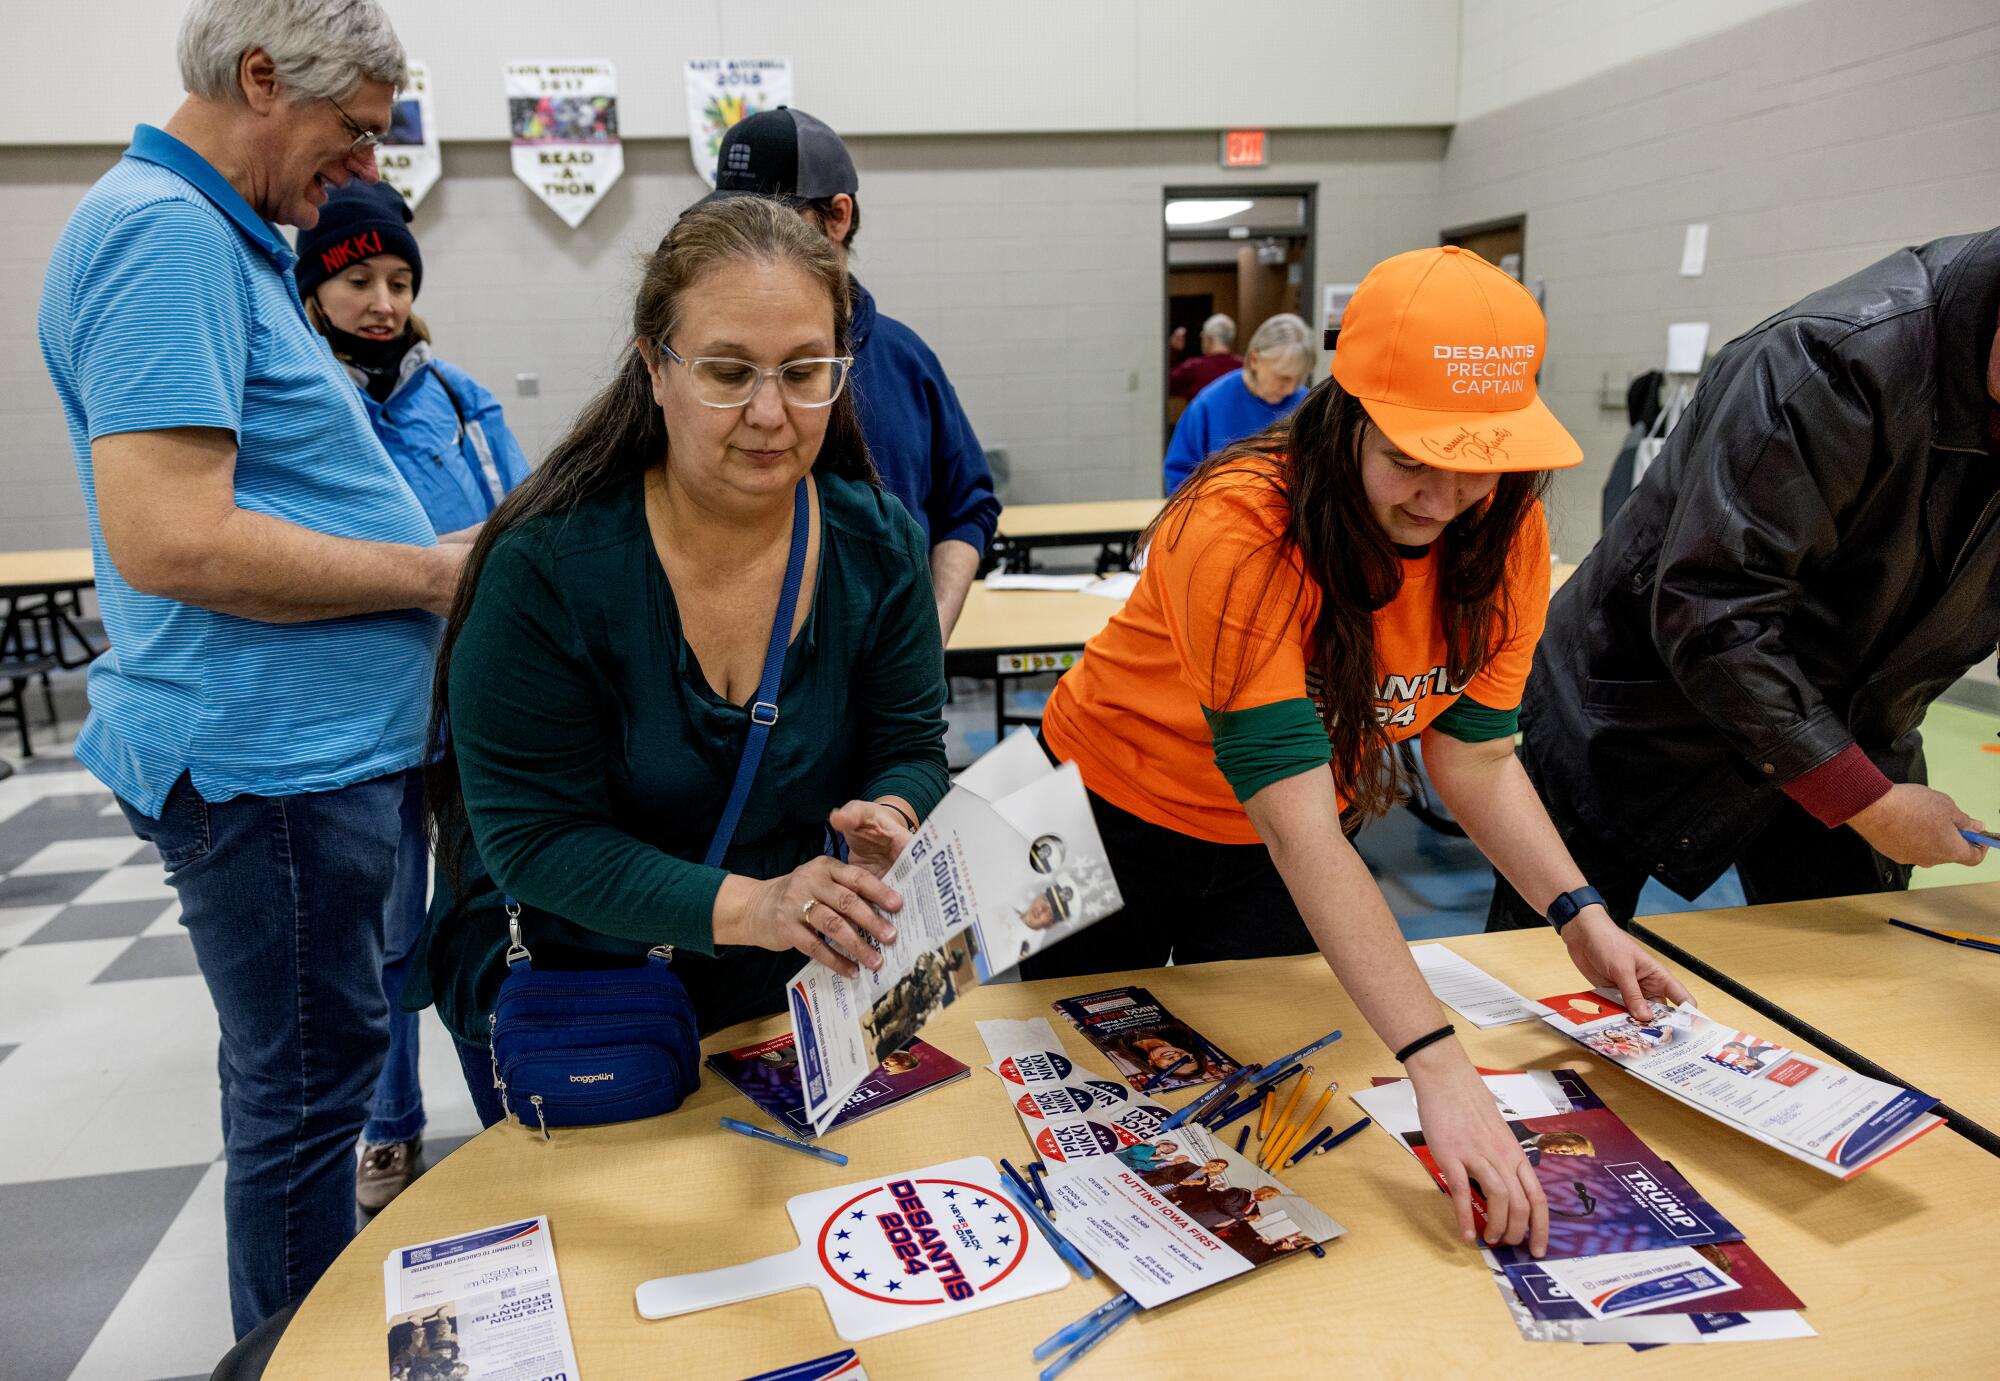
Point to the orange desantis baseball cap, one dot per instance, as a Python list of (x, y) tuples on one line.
[(1442, 349)]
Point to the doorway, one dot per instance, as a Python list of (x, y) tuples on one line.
[(1501, 243), (1245, 253)]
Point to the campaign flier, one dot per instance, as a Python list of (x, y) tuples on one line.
[(1607, 1190), (1179, 1213), (485, 1306), (985, 882), (1808, 1107), (563, 118), (1145, 1041), (1068, 1113), (767, 1073), (1758, 1288), (1653, 1329)]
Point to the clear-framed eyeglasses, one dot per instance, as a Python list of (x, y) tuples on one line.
[(365, 140), (721, 382)]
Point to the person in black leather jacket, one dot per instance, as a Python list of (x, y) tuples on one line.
[(1737, 673)]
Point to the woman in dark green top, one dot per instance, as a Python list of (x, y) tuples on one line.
[(611, 631)]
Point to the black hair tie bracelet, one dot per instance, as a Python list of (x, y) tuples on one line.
[(1424, 1041)]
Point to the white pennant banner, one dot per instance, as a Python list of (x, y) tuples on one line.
[(408, 158), (721, 91), (563, 117)]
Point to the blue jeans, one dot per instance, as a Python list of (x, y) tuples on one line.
[(283, 897), (397, 1112)]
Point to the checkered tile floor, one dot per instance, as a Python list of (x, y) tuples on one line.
[(111, 1242)]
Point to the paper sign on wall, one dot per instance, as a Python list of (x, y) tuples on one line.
[(563, 117), (409, 159), (721, 91)]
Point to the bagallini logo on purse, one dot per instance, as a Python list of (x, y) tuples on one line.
[(606, 1077)]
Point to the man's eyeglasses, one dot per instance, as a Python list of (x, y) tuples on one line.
[(720, 382), (365, 140)]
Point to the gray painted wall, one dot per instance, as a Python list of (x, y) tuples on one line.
[(1813, 140), (1032, 265)]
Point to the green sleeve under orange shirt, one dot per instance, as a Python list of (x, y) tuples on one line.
[(1195, 695)]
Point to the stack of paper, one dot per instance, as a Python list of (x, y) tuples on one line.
[(1636, 1254), (486, 1306)]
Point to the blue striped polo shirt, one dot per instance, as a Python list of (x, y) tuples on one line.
[(170, 302)]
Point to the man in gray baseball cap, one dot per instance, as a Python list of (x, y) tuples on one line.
[(919, 436)]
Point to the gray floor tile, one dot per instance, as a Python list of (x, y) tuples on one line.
[(73, 1248), (145, 853), (44, 760), (103, 921), (45, 889), (67, 817), (152, 956)]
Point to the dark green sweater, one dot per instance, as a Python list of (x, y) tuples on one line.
[(595, 758)]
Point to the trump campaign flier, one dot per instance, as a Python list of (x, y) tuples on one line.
[(986, 881), (1808, 1107)]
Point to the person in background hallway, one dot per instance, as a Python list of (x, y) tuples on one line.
[(1268, 388), (359, 273), (270, 586), (1188, 377), (1737, 672), (918, 435)]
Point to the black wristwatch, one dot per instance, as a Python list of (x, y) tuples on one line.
[(1564, 908)]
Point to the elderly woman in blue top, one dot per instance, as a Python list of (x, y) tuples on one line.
[(359, 274), (597, 671), (270, 586), (1269, 386)]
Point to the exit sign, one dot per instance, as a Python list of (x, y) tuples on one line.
[(1243, 148)]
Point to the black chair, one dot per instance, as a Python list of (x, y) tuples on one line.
[(247, 1360)]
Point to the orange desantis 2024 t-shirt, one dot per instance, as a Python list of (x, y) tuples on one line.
[(1215, 623)]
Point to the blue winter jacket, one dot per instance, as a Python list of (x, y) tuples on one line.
[(449, 439), (921, 440)]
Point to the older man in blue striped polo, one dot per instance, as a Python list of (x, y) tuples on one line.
[(269, 584)]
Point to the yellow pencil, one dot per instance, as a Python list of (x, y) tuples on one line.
[(1293, 1131), (1282, 1129), (1305, 1127), (1264, 1114)]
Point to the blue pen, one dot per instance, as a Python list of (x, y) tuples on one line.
[(1272, 1080), (1091, 1339), (1147, 1087), (1340, 1136), (1242, 1138), (1241, 1107), (1317, 1137), (1985, 841), (1035, 1173), (1966, 942), (1070, 1332), (1215, 1097), (1055, 1239), (1300, 1054), (1020, 1180), (758, 1133)]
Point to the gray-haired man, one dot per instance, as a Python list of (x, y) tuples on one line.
[(268, 583)]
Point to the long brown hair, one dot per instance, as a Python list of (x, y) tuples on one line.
[(1312, 461), (622, 432)]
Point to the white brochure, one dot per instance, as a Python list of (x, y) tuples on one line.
[(1470, 991), (1808, 1107), (1635, 1282), (986, 882), (485, 1306)]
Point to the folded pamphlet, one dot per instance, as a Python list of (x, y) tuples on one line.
[(1009, 863), (1808, 1107)]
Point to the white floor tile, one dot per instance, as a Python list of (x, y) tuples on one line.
[(113, 809), (38, 982), (147, 1130), (169, 922), (17, 923), (78, 856), (118, 1036), (174, 1319), (31, 1146), (447, 1104), (136, 882)]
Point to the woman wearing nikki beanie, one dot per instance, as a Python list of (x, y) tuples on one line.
[(359, 272)]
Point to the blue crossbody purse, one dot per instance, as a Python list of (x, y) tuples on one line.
[(575, 1048)]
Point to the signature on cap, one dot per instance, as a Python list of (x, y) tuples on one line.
[(1468, 443)]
